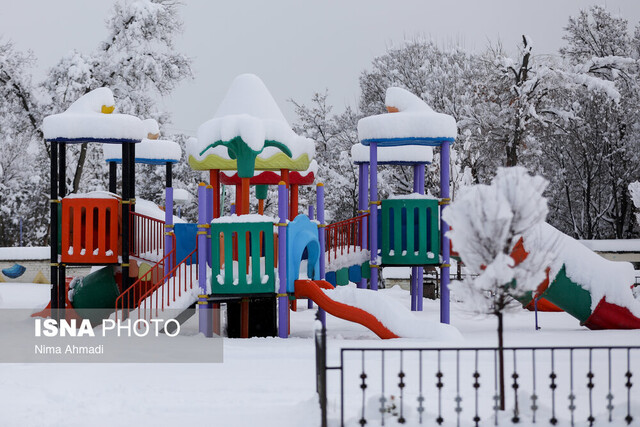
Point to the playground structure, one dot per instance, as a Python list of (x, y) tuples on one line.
[(258, 266)]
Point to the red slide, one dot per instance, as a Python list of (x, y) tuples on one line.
[(312, 289)]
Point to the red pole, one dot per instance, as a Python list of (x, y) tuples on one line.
[(293, 205), (214, 180), (244, 192)]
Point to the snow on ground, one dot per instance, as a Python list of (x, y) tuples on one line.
[(262, 382)]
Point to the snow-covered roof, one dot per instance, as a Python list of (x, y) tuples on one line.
[(151, 150), (249, 111), (409, 154), (412, 122), (90, 119)]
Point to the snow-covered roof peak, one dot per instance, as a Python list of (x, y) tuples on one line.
[(90, 119), (410, 121), (93, 102), (403, 100), (249, 112), (249, 95), (151, 128)]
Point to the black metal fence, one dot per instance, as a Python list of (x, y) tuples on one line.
[(460, 386)]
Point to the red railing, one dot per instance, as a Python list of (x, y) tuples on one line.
[(146, 237), (129, 298), (172, 285), (346, 236)]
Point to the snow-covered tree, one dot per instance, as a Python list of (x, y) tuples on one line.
[(593, 146), (137, 61), (23, 169), (334, 136), (488, 221)]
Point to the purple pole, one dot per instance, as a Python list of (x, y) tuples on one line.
[(204, 320), (362, 203), (309, 302), (420, 280), (321, 238), (232, 209), (209, 208), (168, 227), (373, 207), (444, 269), (283, 297), (365, 202)]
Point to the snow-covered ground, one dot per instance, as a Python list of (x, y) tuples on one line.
[(262, 381)]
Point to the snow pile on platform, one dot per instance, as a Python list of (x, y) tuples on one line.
[(601, 277), (406, 154), (345, 256), (25, 253), (93, 195), (147, 208), (612, 245), (243, 219), (150, 150), (392, 314), (414, 120), (249, 111), (89, 119)]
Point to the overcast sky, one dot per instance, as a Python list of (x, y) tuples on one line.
[(297, 47)]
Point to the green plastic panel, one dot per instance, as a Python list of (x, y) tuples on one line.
[(246, 236), (410, 232), (366, 270), (569, 296), (342, 277)]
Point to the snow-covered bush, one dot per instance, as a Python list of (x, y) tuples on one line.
[(488, 222)]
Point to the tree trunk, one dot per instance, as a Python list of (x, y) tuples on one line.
[(501, 360), (79, 168)]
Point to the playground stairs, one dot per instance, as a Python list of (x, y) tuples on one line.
[(166, 290)]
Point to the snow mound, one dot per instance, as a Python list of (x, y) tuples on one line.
[(403, 100), (89, 119), (414, 119), (151, 150), (393, 314)]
